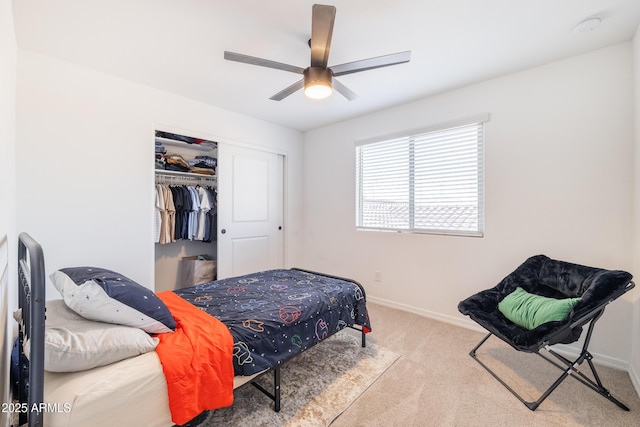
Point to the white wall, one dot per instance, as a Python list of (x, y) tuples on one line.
[(635, 360), (559, 171), (85, 170), (8, 299)]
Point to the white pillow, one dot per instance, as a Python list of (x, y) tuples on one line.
[(73, 343), (104, 295)]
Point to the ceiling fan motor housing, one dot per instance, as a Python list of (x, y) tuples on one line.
[(318, 80)]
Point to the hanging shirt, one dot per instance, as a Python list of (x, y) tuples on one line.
[(178, 211), (158, 214), (165, 236), (193, 213), (211, 232), (171, 214), (205, 206)]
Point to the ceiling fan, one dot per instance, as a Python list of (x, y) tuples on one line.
[(318, 79)]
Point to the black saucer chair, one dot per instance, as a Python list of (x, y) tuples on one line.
[(563, 283)]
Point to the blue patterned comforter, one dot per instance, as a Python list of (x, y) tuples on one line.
[(274, 315)]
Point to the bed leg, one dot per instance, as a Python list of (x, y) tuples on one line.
[(363, 334), (276, 389), (275, 396)]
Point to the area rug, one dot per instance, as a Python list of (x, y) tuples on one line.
[(316, 386)]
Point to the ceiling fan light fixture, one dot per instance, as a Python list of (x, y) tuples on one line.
[(318, 90), (318, 82)]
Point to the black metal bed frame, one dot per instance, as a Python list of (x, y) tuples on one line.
[(31, 300), (275, 393), (567, 366)]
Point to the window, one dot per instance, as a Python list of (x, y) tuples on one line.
[(428, 181)]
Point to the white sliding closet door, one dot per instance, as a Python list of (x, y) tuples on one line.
[(250, 210)]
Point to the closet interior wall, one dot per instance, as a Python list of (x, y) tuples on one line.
[(168, 256)]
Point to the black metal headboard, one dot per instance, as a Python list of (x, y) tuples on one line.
[(31, 300)]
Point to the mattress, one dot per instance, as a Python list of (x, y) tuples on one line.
[(132, 392)]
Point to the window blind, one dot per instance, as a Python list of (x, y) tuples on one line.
[(430, 181)]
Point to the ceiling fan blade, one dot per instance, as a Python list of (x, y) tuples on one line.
[(344, 91), (239, 57), (288, 91), (371, 63), (322, 21)]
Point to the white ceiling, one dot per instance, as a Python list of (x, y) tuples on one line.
[(178, 45)]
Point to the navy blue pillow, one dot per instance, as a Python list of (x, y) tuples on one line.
[(103, 295)]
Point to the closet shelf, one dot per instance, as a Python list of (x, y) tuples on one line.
[(206, 147)]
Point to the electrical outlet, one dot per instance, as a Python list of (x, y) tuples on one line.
[(378, 276)]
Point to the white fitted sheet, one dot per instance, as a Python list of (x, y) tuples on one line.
[(132, 392)]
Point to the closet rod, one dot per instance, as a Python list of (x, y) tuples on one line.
[(184, 178)]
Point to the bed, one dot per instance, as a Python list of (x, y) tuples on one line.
[(270, 317)]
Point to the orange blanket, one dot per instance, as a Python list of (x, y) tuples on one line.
[(196, 360)]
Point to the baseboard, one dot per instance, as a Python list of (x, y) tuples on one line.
[(600, 359), (463, 323), (635, 379)]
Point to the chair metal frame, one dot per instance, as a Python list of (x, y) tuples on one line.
[(567, 366)]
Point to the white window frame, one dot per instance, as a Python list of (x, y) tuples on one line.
[(423, 210)]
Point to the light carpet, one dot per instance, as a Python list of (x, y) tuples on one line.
[(316, 386), (436, 384)]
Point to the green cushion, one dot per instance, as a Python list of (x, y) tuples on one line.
[(530, 311)]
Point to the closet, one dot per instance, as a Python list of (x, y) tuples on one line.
[(185, 179), (243, 226)]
